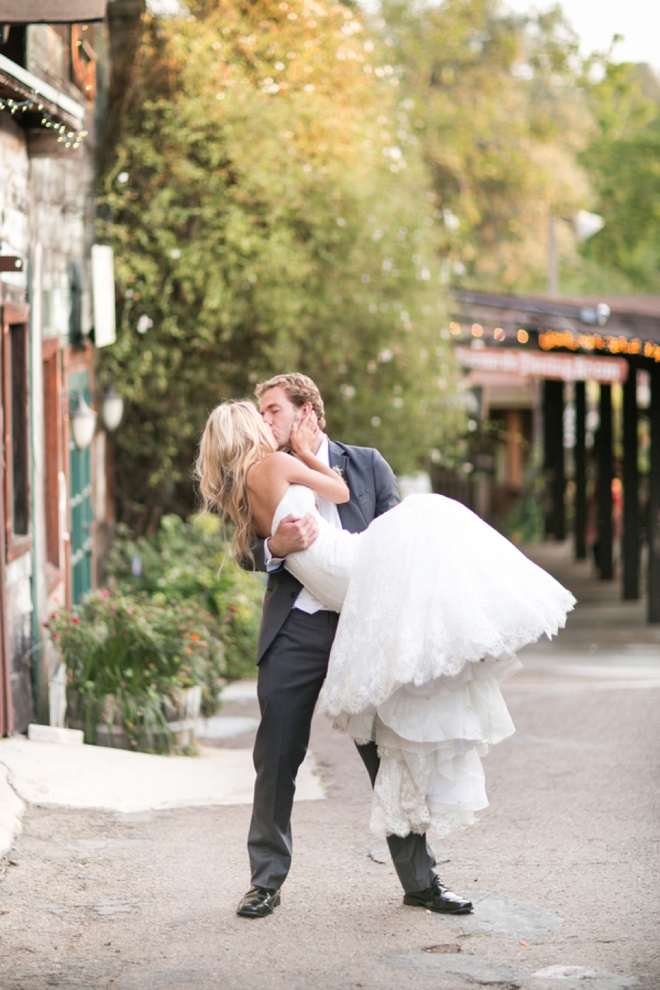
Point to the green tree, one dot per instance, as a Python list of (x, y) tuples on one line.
[(266, 218), (623, 161), (501, 113)]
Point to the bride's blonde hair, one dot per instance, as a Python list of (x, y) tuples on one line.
[(235, 438)]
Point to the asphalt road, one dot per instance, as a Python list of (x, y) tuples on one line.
[(563, 867)]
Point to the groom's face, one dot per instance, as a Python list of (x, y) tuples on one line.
[(279, 413)]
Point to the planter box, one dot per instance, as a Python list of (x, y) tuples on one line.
[(114, 735)]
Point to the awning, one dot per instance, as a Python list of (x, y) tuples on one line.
[(51, 11), (18, 84), (536, 364), (614, 316)]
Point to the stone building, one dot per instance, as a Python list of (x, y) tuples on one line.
[(56, 309)]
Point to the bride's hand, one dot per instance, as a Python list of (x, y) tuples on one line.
[(305, 434)]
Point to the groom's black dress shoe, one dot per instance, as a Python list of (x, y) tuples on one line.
[(437, 897), (259, 902)]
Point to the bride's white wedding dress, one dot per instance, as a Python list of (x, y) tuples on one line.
[(434, 604)]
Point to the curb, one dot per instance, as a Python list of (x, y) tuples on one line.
[(11, 812)]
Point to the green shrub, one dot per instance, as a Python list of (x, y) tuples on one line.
[(130, 659), (525, 523), (189, 561)]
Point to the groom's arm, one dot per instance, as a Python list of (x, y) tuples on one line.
[(293, 534), (385, 485)]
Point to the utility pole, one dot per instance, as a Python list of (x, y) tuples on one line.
[(553, 260)]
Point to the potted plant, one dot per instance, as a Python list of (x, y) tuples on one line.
[(137, 669)]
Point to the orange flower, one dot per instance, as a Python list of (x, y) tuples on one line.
[(195, 637)]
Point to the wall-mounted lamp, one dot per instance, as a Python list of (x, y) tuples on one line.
[(112, 409), (83, 421)]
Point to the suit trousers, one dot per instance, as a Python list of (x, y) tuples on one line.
[(291, 674)]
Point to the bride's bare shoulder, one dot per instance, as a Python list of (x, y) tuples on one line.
[(272, 465)]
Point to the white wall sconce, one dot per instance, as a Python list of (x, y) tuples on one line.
[(82, 420), (112, 409)]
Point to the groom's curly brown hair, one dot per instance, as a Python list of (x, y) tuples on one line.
[(299, 389)]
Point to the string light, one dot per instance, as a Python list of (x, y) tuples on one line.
[(553, 339), (69, 138)]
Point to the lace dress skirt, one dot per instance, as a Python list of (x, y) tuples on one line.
[(436, 607)]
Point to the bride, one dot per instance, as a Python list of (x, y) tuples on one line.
[(433, 605)]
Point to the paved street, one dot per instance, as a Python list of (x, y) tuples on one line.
[(563, 867)]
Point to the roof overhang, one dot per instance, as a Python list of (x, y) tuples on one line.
[(18, 84), (52, 11), (614, 319)]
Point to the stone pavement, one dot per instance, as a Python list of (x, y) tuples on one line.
[(563, 867)]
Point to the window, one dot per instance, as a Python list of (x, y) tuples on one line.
[(16, 429), (13, 42)]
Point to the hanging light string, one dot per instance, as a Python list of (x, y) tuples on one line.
[(69, 138)]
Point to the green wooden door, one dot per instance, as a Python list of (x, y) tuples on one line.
[(80, 500)]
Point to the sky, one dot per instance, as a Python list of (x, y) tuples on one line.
[(596, 21)]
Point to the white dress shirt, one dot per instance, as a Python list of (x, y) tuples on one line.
[(306, 601)]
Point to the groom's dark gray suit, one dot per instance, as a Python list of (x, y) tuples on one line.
[(293, 653)]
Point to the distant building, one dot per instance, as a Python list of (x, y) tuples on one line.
[(577, 381)]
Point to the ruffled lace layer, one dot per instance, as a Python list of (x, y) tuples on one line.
[(434, 605), (430, 741)]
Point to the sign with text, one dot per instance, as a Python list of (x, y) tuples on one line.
[(103, 286), (538, 364)]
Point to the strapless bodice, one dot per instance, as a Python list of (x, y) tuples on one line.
[(325, 566), (298, 501)]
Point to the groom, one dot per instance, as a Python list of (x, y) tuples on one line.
[(294, 646)]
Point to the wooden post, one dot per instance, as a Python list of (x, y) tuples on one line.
[(514, 449), (580, 459), (6, 705), (654, 501), (605, 474), (630, 542), (553, 439)]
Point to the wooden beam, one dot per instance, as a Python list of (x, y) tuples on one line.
[(654, 500), (10, 263), (553, 458), (630, 541), (580, 460), (605, 474)]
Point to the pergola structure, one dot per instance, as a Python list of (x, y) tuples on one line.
[(575, 340)]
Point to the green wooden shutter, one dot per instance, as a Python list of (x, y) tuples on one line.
[(80, 500)]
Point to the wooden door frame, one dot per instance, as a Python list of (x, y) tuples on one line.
[(8, 315), (51, 351)]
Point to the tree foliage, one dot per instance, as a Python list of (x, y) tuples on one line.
[(295, 187), (265, 218), (623, 160), (501, 112)]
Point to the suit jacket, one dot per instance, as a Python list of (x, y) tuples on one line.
[(373, 491)]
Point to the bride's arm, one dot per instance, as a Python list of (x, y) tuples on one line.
[(305, 438)]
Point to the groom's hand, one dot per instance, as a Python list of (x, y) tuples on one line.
[(293, 534)]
